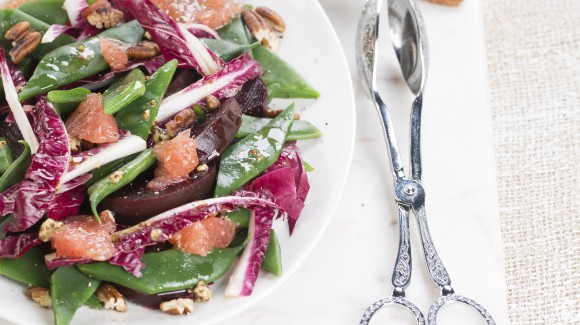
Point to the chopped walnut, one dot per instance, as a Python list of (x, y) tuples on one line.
[(272, 113), (212, 102), (111, 298), (183, 120), (41, 295), (202, 292), (48, 228), (177, 306), (74, 143), (102, 15), (143, 50), (116, 177)]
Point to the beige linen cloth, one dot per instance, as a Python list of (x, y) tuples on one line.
[(533, 51)]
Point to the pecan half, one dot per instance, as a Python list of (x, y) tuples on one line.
[(17, 30), (41, 295), (261, 31), (272, 17), (25, 45), (183, 120), (143, 50), (177, 306), (111, 298), (102, 15)]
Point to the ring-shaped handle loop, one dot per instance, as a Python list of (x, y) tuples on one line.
[(402, 301), (434, 309)]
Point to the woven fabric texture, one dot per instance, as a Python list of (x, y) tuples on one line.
[(533, 49)]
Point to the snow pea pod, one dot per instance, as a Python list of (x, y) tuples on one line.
[(66, 101), (29, 269), (93, 303), (138, 117), (5, 156), (69, 290), (121, 177), (124, 91), (76, 61), (168, 270), (250, 156), (236, 32), (15, 173), (227, 50), (273, 258), (281, 75), (9, 17), (300, 130), (48, 11)]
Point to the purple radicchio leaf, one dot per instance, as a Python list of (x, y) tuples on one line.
[(15, 106), (54, 31), (8, 199), (130, 261), (37, 190), (16, 246), (246, 272), (130, 242), (287, 181), (225, 83), (173, 40), (67, 203)]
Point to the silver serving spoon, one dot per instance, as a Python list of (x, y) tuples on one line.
[(409, 40)]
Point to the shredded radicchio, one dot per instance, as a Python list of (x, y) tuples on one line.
[(16, 246), (67, 203), (225, 83), (246, 273), (37, 191), (287, 181), (53, 262), (201, 31), (175, 42), (132, 241)]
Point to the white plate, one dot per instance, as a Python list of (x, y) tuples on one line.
[(312, 47)]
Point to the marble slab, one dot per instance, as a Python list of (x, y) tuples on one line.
[(352, 264)]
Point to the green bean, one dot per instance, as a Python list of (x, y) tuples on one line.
[(5, 156), (139, 116), (69, 290), (247, 158), (66, 101), (300, 130), (29, 269), (15, 173), (168, 270), (73, 62), (107, 169), (121, 177), (124, 91), (290, 83)]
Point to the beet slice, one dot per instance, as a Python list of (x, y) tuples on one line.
[(181, 79), (217, 130), (135, 202), (12, 134), (253, 97)]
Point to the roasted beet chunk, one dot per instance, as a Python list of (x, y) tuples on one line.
[(218, 130), (253, 97)]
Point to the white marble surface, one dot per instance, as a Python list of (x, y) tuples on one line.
[(351, 266)]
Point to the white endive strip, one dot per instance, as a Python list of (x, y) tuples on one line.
[(73, 10), (201, 53), (15, 106), (191, 27), (122, 148), (54, 31)]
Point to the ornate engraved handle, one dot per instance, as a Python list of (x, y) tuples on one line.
[(402, 271), (437, 271)]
